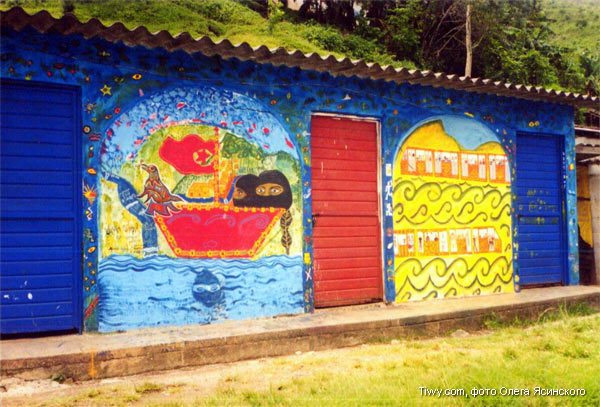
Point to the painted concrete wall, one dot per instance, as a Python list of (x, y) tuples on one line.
[(143, 108)]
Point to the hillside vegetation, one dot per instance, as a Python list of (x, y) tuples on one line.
[(553, 43), (575, 23)]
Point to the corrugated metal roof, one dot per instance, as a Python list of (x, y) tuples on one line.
[(16, 18)]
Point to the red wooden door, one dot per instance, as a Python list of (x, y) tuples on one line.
[(346, 230)]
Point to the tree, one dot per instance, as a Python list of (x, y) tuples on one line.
[(468, 43)]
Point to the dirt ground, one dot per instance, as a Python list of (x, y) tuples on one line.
[(159, 387)]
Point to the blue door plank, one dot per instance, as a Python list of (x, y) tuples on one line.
[(11, 283), (36, 177), (46, 309), (533, 166), (538, 261), (538, 183), (548, 164), (41, 214), (535, 237), (21, 149), (548, 153), (36, 191), (32, 122), (36, 135), (36, 164), (35, 324), (549, 227), (540, 210), (36, 205), (541, 279), (37, 254), (33, 296), (540, 244), (542, 195), (532, 254), (49, 96), (36, 108), (539, 193), (40, 239), (539, 270), (40, 226), (32, 268)]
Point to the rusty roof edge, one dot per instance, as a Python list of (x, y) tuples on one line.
[(18, 19)]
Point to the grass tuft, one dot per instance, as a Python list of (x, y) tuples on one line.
[(148, 388), (564, 310)]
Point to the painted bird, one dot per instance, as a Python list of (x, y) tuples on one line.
[(159, 199)]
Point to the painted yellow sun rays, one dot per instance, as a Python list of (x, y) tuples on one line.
[(452, 222)]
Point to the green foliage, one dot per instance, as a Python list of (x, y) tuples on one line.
[(351, 45), (403, 31), (68, 6), (276, 15), (553, 43)]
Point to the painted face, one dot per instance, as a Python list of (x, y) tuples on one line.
[(244, 192), (269, 189), (239, 193)]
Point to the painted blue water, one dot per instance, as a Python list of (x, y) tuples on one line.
[(161, 290)]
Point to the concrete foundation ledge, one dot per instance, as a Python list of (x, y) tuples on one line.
[(99, 356)]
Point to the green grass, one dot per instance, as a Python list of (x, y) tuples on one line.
[(560, 349), (563, 311), (564, 354)]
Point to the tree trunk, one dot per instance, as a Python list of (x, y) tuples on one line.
[(469, 45)]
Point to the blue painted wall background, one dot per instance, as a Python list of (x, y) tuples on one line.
[(114, 75)]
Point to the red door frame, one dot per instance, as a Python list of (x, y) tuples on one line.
[(377, 123)]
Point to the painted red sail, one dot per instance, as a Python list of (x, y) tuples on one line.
[(191, 155)]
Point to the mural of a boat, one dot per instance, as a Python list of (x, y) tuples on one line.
[(234, 222)]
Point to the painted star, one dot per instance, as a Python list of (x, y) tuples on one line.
[(105, 90), (449, 101)]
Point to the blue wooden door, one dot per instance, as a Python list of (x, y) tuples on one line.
[(540, 194), (40, 200)]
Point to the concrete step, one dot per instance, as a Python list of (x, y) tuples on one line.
[(98, 356)]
